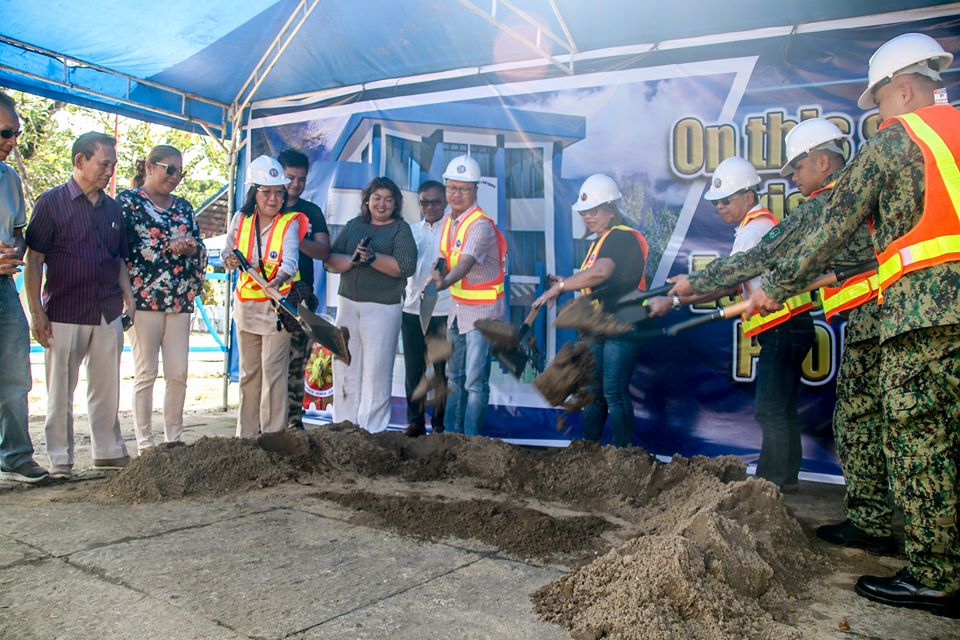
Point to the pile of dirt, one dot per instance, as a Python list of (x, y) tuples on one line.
[(570, 374), (710, 552), (208, 467), (724, 571), (523, 532), (583, 315), (500, 334)]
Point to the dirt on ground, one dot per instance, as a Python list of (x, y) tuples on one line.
[(584, 315), (567, 380), (690, 549)]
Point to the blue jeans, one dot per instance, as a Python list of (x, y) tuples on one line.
[(15, 380), (782, 351), (615, 359), (468, 372)]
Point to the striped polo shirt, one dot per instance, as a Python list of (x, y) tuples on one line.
[(84, 247)]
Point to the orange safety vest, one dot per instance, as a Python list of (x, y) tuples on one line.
[(854, 291), (461, 290), (795, 305), (247, 288), (595, 250), (936, 237)]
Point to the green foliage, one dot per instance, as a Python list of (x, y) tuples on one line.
[(656, 226), (50, 127)]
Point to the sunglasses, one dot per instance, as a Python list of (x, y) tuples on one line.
[(431, 203), (6, 134), (171, 170), (726, 201)]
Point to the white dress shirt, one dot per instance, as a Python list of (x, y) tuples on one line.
[(427, 236)]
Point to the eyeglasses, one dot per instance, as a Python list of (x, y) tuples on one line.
[(271, 193), (726, 201), (431, 203), (460, 190), (171, 169), (6, 134)]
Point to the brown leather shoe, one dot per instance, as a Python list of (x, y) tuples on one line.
[(415, 430)]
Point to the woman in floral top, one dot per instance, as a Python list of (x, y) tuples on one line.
[(166, 264)]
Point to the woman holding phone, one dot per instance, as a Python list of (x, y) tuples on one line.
[(374, 254)]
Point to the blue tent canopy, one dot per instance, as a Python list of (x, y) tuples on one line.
[(198, 65)]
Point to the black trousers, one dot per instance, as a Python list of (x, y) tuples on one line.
[(415, 365)]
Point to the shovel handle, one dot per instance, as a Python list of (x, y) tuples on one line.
[(272, 293), (857, 270), (638, 296), (719, 314)]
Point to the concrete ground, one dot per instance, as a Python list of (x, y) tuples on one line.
[(279, 563)]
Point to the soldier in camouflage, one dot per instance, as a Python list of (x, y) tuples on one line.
[(857, 416), (890, 181)]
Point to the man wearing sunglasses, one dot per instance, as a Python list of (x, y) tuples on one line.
[(784, 340), (814, 162), (16, 449), (905, 181), (426, 233), (77, 232)]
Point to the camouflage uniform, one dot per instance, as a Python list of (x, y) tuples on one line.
[(300, 344), (920, 344), (857, 415)]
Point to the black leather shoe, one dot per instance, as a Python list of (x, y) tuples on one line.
[(903, 590), (847, 534), (415, 430)]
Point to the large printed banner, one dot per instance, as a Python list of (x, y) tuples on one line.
[(659, 123)]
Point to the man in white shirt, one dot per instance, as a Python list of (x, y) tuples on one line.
[(427, 234), (784, 339)]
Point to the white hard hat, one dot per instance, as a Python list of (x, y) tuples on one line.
[(464, 169), (596, 190), (816, 134), (732, 175), (266, 171), (907, 53)]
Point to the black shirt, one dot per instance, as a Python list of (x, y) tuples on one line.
[(621, 247), (318, 224)]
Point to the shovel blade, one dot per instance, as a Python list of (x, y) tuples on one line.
[(513, 360), (326, 333), (428, 302)]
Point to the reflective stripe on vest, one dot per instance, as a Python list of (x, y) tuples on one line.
[(936, 237), (247, 288), (461, 290), (757, 324), (853, 293), (594, 251)]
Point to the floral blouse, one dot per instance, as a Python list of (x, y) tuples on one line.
[(161, 281)]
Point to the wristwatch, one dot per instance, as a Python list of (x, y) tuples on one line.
[(676, 301)]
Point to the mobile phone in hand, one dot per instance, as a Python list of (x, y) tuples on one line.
[(364, 244)]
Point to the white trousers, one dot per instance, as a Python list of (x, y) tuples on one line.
[(263, 382), (100, 347), (154, 332), (361, 391)]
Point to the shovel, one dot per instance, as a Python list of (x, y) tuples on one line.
[(739, 307), (428, 300), (509, 344), (326, 333)]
